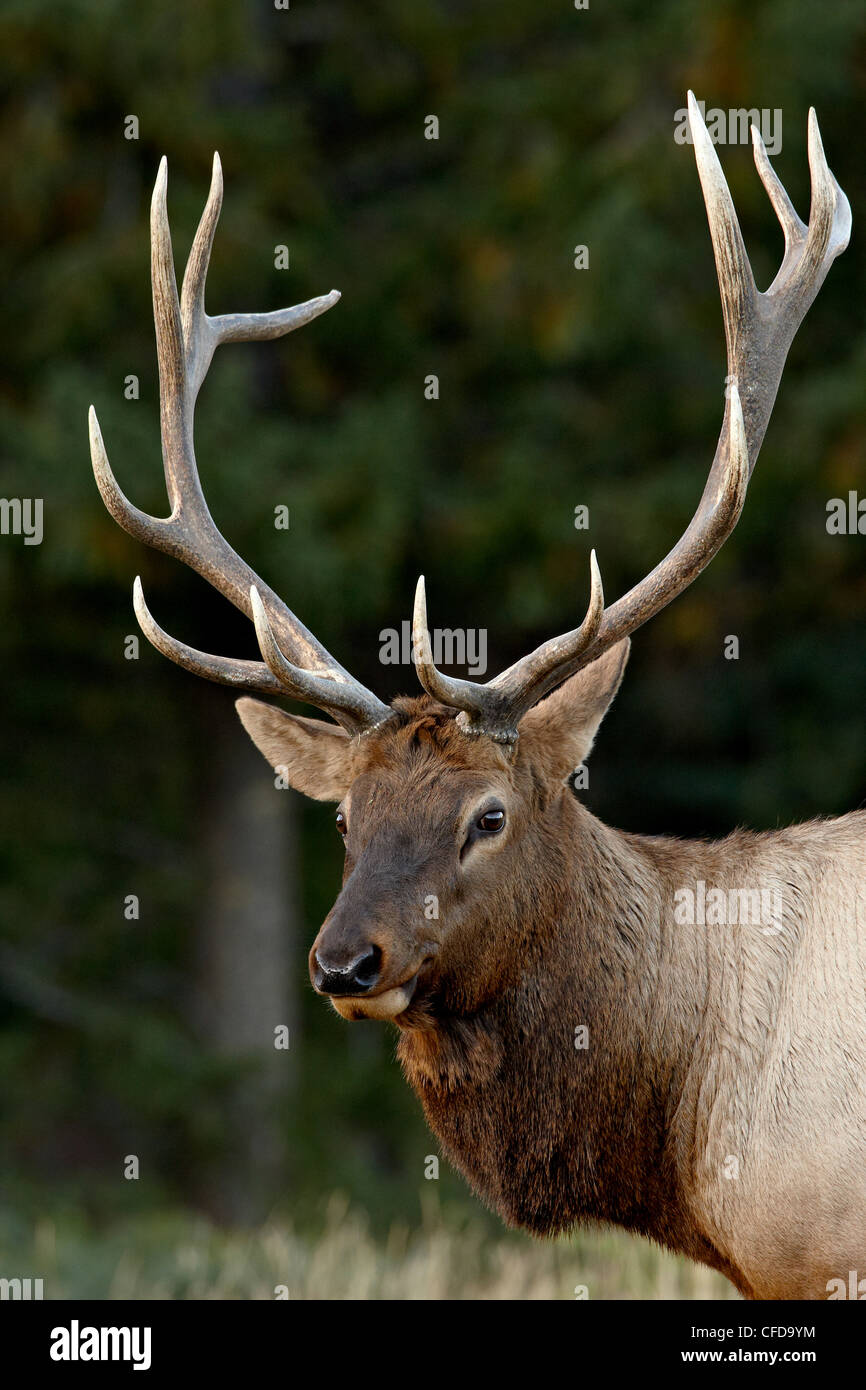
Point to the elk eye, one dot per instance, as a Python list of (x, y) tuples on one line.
[(342, 824), (492, 821)]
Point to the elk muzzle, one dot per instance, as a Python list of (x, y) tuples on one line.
[(365, 970)]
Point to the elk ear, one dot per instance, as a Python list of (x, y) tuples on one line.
[(315, 758), (560, 731)]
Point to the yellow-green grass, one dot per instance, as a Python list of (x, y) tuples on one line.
[(178, 1257)]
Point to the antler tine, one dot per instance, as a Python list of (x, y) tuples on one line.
[(793, 228), (202, 334), (460, 694), (521, 679), (186, 339), (243, 675), (736, 282), (496, 708), (349, 703), (199, 338), (141, 525), (829, 220), (759, 329)]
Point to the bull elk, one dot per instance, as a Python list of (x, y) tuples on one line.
[(719, 1106)]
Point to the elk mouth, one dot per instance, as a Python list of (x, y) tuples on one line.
[(387, 1005)]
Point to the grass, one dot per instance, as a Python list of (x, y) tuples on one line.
[(178, 1257)]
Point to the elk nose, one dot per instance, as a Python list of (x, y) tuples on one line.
[(358, 977)]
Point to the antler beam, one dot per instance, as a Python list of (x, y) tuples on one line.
[(759, 330)]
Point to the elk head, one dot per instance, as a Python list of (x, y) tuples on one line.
[(438, 830), (444, 800)]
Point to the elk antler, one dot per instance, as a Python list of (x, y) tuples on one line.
[(759, 329), (186, 339)]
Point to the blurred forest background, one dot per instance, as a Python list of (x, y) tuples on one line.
[(558, 387)]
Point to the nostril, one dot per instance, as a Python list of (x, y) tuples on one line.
[(368, 969), (357, 977)]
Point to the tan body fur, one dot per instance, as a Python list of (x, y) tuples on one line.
[(720, 1107)]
